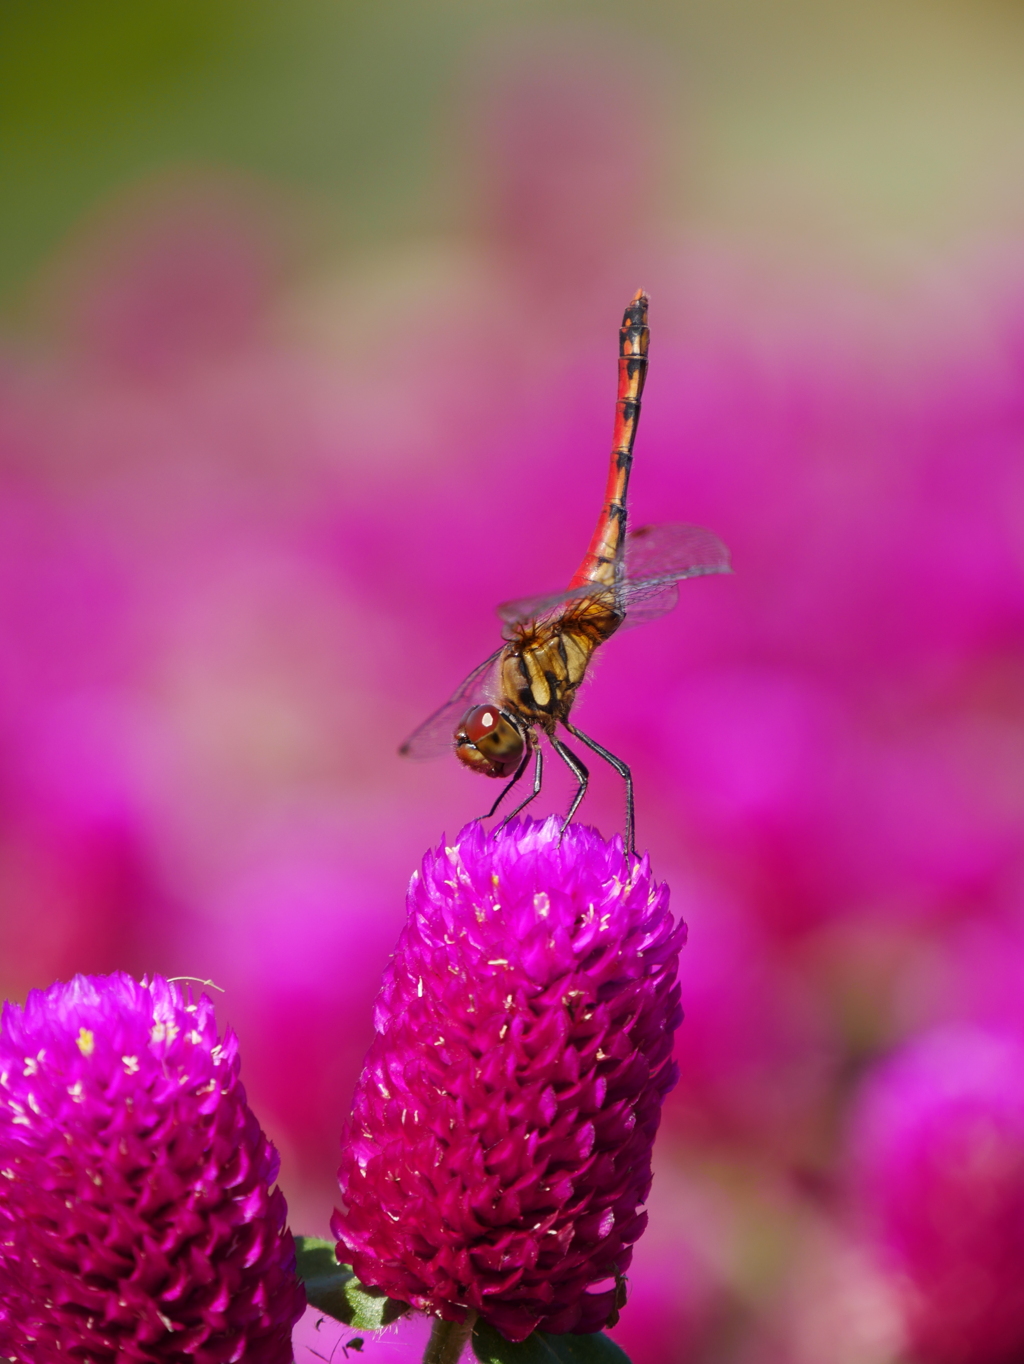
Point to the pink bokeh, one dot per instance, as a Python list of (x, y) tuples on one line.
[(937, 1159)]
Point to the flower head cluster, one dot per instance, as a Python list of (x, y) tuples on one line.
[(137, 1219), (938, 1146), (500, 1143)]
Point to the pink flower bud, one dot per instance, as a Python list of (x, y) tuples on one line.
[(499, 1149)]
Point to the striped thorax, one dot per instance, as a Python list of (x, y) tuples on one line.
[(545, 661)]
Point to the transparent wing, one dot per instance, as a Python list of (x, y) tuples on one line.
[(657, 558), (668, 553), (530, 608), (436, 734), (640, 608)]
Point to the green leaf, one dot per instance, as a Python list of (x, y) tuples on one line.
[(333, 1288), (492, 1348)]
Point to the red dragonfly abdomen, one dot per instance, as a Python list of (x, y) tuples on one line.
[(603, 560)]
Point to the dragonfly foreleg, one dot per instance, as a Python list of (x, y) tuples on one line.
[(509, 785), (537, 774), (579, 770), (623, 772)]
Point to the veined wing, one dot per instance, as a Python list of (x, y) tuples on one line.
[(531, 608), (436, 734), (674, 551), (657, 558)]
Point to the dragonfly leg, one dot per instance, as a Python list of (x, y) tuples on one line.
[(623, 772), (508, 787), (537, 774), (579, 770)]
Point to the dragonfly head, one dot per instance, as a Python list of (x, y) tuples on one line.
[(489, 741)]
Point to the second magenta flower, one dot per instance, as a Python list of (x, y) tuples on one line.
[(138, 1213)]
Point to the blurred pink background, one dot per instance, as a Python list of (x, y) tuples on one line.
[(280, 424)]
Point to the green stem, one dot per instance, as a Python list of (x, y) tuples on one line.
[(448, 1339)]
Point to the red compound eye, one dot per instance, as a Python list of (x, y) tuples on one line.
[(481, 721)]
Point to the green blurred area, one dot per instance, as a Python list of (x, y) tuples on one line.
[(326, 96), (804, 118)]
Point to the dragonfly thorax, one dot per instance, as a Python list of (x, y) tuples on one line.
[(545, 661)]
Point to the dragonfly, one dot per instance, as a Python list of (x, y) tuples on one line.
[(494, 720)]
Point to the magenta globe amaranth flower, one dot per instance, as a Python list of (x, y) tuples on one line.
[(937, 1151), (500, 1144), (137, 1218)]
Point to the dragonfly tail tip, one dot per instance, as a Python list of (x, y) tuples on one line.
[(636, 313)]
